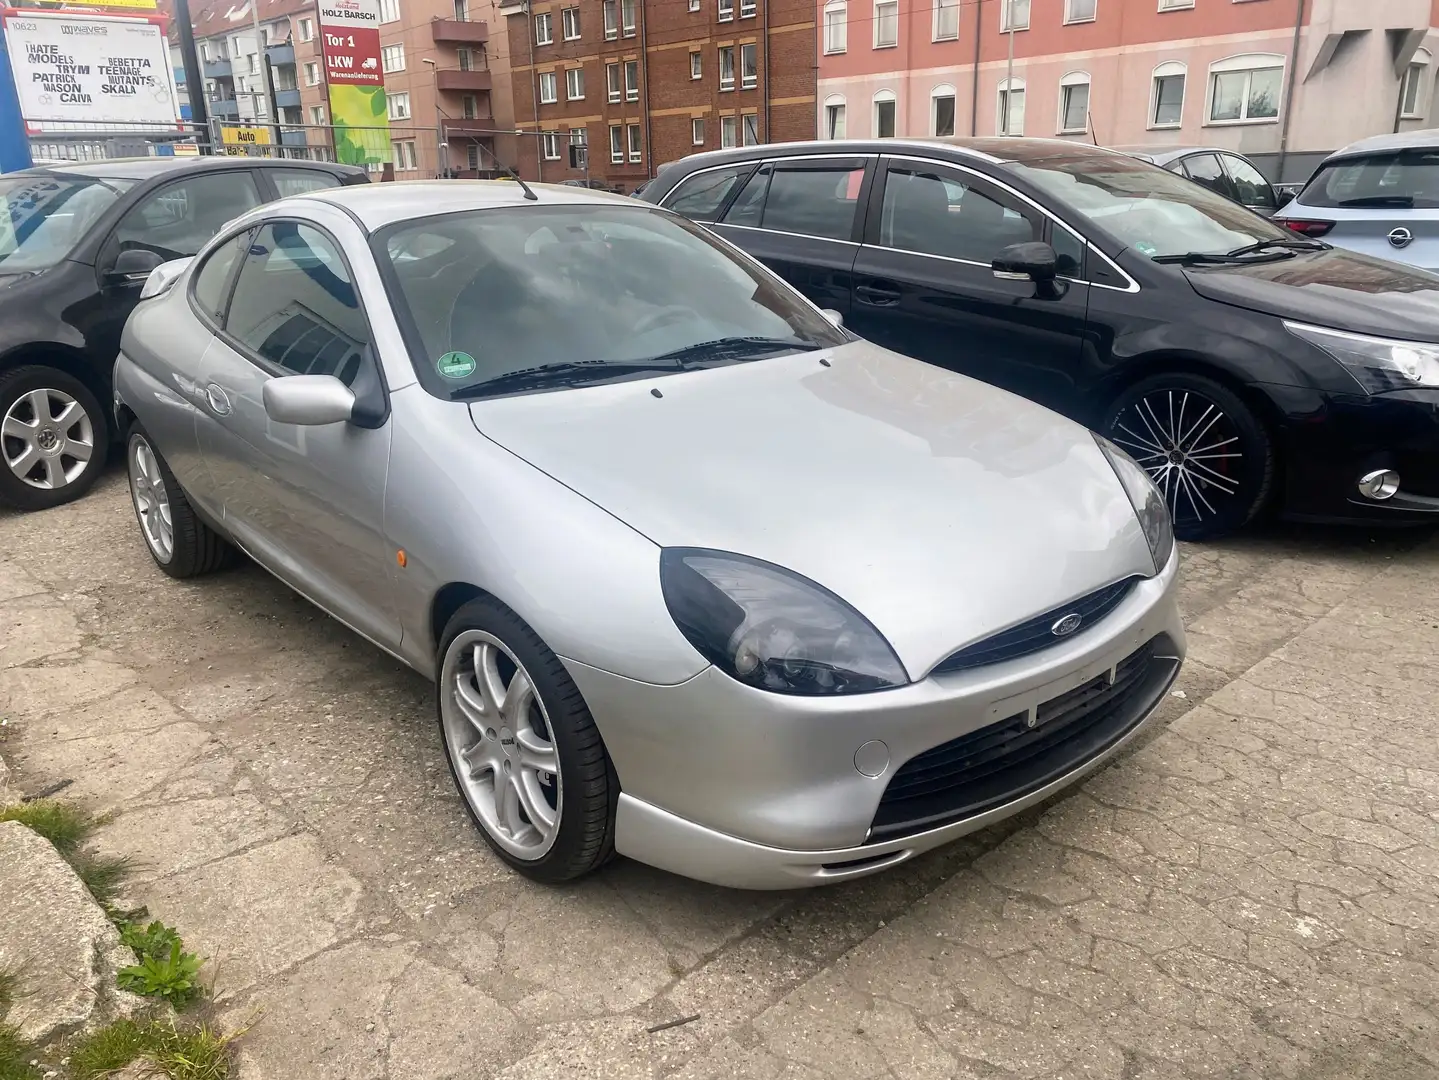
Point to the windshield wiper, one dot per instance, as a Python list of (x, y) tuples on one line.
[(1242, 257), (1403, 201), (735, 348), (1295, 244), (570, 374)]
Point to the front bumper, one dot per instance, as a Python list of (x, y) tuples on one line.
[(738, 787)]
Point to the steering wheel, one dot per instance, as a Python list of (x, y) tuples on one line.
[(670, 313)]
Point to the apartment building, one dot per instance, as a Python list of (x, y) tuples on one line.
[(1283, 81), (631, 84)]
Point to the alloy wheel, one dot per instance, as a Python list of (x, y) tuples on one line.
[(47, 439), (152, 500), (1191, 449), (498, 735)]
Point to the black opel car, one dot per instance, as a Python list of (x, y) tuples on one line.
[(77, 241), (1244, 366)]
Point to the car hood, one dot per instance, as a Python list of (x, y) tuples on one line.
[(1336, 288), (942, 508)]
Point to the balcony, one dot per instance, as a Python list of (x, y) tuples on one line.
[(293, 137), (281, 54), (217, 69), (462, 80), (459, 32), (224, 107), (467, 127), (287, 99)]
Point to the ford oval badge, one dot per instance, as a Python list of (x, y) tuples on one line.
[(1067, 624)]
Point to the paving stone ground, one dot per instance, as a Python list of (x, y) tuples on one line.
[(1252, 893)]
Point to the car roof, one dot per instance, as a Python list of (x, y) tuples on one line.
[(1163, 155), (378, 205), (143, 168), (1402, 140), (994, 149)]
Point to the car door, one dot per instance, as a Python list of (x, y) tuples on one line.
[(306, 501), (1249, 185), (1206, 169), (800, 217), (174, 220), (923, 282)]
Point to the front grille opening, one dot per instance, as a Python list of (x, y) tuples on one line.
[(1012, 757), (1037, 633)]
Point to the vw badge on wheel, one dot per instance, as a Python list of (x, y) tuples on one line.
[(1400, 237), (1067, 624)]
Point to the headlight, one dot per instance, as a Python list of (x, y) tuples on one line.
[(1378, 364), (772, 629), (1148, 503)]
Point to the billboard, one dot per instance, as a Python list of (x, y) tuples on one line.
[(350, 42), (80, 72)]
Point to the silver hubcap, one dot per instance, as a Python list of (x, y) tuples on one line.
[(152, 501), (47, 439), (1188, 446), (498, 736)]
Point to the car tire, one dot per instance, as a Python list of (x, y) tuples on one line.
[(180, 543), (500, 730), (1210, 455), (53, 438)]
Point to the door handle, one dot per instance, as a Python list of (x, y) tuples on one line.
[(876, 296), (217, 400)]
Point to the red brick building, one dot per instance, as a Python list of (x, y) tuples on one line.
[(643, 82)]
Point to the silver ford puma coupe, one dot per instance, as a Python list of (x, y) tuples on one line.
[(700, 577)]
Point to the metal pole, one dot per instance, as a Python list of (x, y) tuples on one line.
[(194, 75), (1289, 91), (262, 68), (974, 79), (14, 142), (1009, 69)]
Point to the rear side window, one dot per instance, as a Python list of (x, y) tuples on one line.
[(702, 196), (814, 200), (1205, 169), (298, 181), (1407, 179), (214, 275)]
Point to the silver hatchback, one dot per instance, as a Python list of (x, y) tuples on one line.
[(701, 578)]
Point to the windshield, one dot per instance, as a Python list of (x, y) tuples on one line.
[(1404, 178), (43, 218), (533, 291), (1150, 209)]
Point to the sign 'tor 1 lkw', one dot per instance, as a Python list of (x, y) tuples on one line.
[(350, 41)]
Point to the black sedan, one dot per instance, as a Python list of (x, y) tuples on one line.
[(77, 241), (1245, 367)]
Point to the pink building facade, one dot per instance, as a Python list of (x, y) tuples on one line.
[(1283, 81)]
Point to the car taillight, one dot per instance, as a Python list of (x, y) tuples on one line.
[(1308, 228)]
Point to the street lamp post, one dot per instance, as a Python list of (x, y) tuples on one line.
[(441, 143)]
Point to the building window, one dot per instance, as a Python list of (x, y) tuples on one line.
[(254, 60), (312, 74), (729, 131), (1014, 15), (749, 129), (470, 107), (697, 131), (544, 29), (884, 114), (749, 66), (399, 105), (886, 23), (574, 84), (389, 11), (1076, 11), (1010, 119), (1244, 89), (1175, 5), (726, 64), (1074, 103), (697, 67), (570, 23), (466, 58), (317, 115), (946, 20), (617, 144), (941, 110), (635, 148), (747, 9), (462, 12), (627, 17), (1166, 106), (834, 117), (632, 80), (695, 4), (1410, 105), (612, 82), (612, 22), (392, 58), (549, 88), (550, 146), (726, 10), (836, 26), (307, 29), (472, 156), (405, 157)]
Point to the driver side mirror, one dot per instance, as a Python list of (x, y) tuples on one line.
[(1282, 198), (132, 266), (834, 317), (1030, 261), (308, 400)]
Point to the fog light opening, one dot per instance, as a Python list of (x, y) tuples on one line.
[(1379, 485)]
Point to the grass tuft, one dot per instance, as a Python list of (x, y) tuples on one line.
[(62, 823), (103, 875), (192, 1052), (9, 989), (15, 1056)]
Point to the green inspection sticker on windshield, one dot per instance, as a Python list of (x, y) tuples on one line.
[(1144, 247), (456, 365)]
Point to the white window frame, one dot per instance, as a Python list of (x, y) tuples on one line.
[(943, 90), (406, 160), (388, 55), (729, 131), (836, 27), (882, 97), (632, 89), (570, 23), (317, 115), (834, 101), (1070, 18), (941, 6), (727, 50), (748, 81), (891, 16), (1414, 75), (1002, 103), (697, 131), (634, 139), (1066, 81), (397, 106), (1008, 21), (749, 126), (627, 12), (312, 73), (549, 81), (748, 9), (1247, 63), (307, 29), (697, 64), (550, 145), (389, 11), (695, 5), (575, 84), (726, 10), (1175, 5), (1167, 70), (544, 28), (617, 144), (612, 19), (614, 83)]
